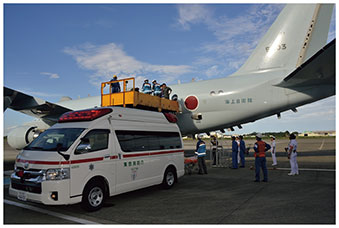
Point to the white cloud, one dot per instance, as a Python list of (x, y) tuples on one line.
[(236, 36), (109, 59), (324, 109), (332, 30), (212, 71), (192, 14), (51, 75)]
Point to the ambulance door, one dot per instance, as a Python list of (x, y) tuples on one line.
[(133, 166), (93, 157)]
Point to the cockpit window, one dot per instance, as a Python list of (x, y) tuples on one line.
[(51, 138)]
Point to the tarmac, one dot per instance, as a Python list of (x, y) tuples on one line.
[(223, 196)]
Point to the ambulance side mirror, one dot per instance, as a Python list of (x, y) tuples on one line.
[(84, 146)]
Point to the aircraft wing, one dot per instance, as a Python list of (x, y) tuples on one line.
[(317, 70), (32, 106)]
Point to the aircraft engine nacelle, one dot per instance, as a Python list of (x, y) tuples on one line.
[(21, 136)]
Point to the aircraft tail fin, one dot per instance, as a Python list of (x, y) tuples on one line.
[(298, 33)]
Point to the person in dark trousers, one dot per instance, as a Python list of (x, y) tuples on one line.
[(234, 153), (260, 148), (214, 143), (166, 91), (116, 85), (201, 153), (242, 151)]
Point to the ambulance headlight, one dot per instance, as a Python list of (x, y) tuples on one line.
[(57, 174)]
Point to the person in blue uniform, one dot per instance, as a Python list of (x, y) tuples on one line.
[(116, 85), (201, 153), (156, 88), (146, 87), (242, 151), (234, 153)]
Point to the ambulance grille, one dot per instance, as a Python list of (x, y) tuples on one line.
[(26, 186)]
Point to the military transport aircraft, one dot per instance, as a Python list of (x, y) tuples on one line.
[(291, 66)]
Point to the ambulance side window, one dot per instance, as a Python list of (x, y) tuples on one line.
[(94, 140), (134, 141)]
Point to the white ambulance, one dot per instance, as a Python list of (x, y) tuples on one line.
[(90, 155)]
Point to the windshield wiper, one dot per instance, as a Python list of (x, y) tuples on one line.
[(34, 148)]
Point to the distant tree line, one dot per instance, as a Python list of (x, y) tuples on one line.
[(276, 134)]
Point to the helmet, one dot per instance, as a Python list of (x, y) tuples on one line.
[(259, 135), (146, 80), (272, 136), (115, 76), (154, 81)]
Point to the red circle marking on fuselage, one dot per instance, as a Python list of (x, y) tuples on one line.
[(191, 102)]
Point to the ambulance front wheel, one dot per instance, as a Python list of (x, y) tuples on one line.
[(170, 177), (93, 196)]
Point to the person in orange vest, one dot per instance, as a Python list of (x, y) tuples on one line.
[(260, 148)]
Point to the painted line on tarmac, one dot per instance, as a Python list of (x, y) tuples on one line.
[(322, 145), (44, 211), (308, 169)]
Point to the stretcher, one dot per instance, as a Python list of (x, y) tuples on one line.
[(190, 163)]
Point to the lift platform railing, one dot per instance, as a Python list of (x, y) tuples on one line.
[(121, 98), (130, 97)]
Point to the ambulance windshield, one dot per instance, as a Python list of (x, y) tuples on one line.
[(50, 139)]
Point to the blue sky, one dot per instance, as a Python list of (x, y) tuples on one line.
[(56, 50)]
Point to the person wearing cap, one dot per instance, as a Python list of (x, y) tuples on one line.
[(292, 155), (260, 148), (115, 86), (146, 87), (234, 153), (242, 147), (156, 88), (201, 153), (273, 150)]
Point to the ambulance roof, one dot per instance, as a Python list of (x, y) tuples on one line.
[(82, 118)]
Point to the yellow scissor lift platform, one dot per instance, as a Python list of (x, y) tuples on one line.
[(133, 98)]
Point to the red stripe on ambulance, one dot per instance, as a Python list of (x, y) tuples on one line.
[(94, 159)]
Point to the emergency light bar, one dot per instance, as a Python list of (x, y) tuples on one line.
[(84, 115)]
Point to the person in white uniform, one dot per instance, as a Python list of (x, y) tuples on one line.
[(292, 155), (273, 150)]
